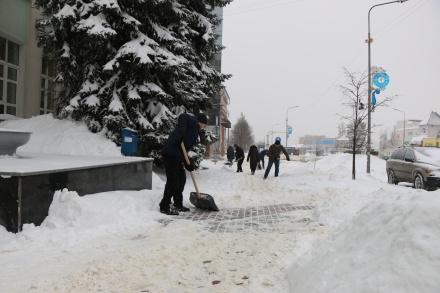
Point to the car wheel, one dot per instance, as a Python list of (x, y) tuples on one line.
[(391, 177), (418, 181)]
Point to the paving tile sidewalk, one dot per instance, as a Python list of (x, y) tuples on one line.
[(247, 220)]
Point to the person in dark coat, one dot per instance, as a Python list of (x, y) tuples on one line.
[(263, 153), (274, 157), (254, 157), (187, 131), (239, 157), (230, 155)]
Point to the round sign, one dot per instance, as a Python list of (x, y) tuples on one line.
[(381, 79)]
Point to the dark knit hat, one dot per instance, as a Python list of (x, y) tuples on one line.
[(201, 117), (278, 140)]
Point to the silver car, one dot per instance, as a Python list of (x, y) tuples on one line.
[(417, 165)]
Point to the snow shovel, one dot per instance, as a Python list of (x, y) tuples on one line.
[(199, 200)]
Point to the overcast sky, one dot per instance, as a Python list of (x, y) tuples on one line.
[(284, 53)]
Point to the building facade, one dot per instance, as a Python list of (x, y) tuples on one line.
[(26, 89), (219, 114), (414, 130)]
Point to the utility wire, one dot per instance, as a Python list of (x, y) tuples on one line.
[(256, 9), (251, 8), (253, 4), (402, 17)]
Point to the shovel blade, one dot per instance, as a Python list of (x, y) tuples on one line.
[(204, 202)]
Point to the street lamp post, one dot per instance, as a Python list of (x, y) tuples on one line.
[(272, 130), (287, 118), (369, 40), (404, 123)]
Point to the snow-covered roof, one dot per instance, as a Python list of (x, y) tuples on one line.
[(431, 119), (342, 138), (417, 140)]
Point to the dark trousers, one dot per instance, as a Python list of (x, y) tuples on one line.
[(269, 166), (176, 180), (239, 163), (230, 162), (262, 162)]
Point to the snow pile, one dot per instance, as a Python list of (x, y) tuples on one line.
[(390, 246), (54, 136)]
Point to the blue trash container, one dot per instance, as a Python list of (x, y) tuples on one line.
[(129, 141)]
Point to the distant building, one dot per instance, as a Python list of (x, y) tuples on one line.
[(342, 143), (317, 144), (430, 125), (416, 129), (309, 139)]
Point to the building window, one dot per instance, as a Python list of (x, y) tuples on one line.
[(9, 61), (48, 88)]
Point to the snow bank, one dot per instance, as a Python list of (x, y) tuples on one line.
[(54, 136)]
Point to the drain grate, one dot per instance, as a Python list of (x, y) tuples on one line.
[(243, 220)]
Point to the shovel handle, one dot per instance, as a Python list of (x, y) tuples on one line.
[(192, 175)]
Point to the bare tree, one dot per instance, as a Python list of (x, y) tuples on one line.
[(393, 141), (357, 138), (355, 97), (383, 141), (341, 130), (242, 134), (261, 144)]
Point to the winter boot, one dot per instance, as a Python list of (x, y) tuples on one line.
[(170, 212), (180, 208)]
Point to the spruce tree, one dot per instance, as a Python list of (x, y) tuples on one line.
[(132, 64)]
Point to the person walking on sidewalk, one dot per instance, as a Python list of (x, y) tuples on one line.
[(187, 131), (263, 153), (239, 157), (230, 155), (274, 157), (254, 156)]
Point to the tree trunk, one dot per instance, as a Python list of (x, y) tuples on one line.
[(353, 168)]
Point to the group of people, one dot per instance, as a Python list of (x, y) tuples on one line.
[(186, 133), (254, 157)]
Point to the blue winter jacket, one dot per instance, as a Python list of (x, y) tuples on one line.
[(188, 129)]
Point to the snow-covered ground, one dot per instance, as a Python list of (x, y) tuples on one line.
[(360, 235)]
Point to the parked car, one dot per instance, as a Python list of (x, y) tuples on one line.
[(417, 165)]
